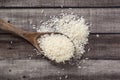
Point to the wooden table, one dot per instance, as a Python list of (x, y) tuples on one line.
[(19, 60)]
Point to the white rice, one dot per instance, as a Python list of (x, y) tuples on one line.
[(72, 26), (57, 47)]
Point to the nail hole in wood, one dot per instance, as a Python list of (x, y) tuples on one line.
[(8, 21), (10, 70), (24, 76), (10, 48)]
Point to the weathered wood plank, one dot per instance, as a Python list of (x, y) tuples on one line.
[(106, 46), (102, 20), (59, 3), (103, 46), (16, 48), (44, 70)]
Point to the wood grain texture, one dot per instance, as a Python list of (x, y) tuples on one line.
[(106, 46), (103, 46), (13, 47), (44, 70), (102, 20), (59, 3)]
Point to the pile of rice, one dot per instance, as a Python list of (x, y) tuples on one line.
[(56, 47), (70, 25)]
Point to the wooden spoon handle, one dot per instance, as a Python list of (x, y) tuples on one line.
[(10, 28)]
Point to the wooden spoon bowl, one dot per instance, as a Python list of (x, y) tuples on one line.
[(31, 37)]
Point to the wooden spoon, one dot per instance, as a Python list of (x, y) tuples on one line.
[(29, 36)]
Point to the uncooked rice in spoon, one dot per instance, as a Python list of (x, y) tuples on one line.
[(57, 47)]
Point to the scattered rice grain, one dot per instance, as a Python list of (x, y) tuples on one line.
[(79, 67), (66, 76), (11, 42), (97, 35)]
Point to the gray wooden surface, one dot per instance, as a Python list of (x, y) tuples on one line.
[(102, 20), (20, 61), (59, 3), (44, 70)]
